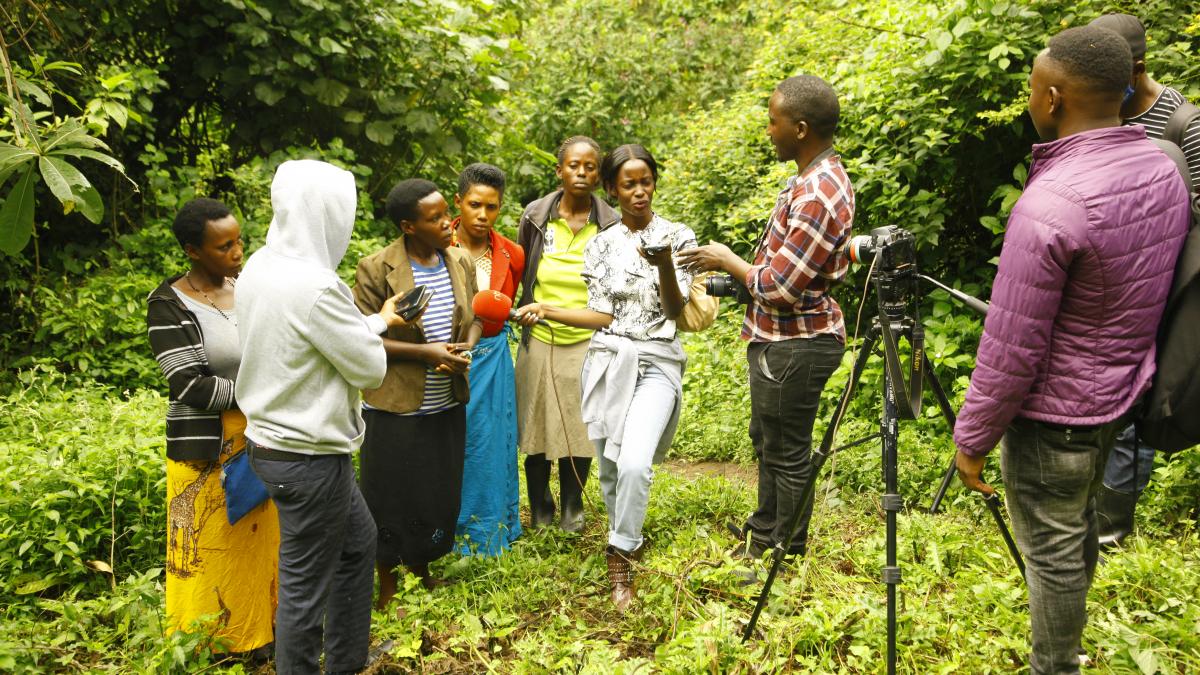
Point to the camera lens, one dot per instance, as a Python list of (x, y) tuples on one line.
[(862, 247), (717, 286)]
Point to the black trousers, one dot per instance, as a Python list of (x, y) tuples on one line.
[(412, 473), (326, 563), (786, 380)]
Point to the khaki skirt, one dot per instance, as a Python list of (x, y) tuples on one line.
[(548, 400)]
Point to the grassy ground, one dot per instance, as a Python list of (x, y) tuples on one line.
[(544, 608), (81, 549)]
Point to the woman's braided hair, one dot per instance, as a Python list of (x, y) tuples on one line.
[(562, 149)]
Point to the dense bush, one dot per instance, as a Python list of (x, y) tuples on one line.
[(674, 58), (85, 494), (933, 128), (191, 99), (84, 486)]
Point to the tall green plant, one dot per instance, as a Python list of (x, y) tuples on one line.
[(46, 148)]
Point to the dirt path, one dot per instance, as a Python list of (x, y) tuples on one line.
[(737, 473)]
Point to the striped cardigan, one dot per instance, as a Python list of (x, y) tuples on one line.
[(197, 397)]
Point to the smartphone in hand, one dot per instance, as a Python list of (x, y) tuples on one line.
[(413, 303)]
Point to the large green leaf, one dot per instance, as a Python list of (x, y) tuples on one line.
[(12, 156), (16, 216), (381, 132), (74, 134), (34, 91), (117, 112), (59, 184), (89, 154), (330, 92), (79, 191), (69, 132), (90, 204), (22, 118)]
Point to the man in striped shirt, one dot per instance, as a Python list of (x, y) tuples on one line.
[(1151, 105), (794, 326)]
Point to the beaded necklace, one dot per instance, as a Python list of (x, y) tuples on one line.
[(225, 316)]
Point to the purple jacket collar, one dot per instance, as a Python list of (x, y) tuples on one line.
[(1046, 155)]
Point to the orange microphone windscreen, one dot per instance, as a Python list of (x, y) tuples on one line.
[(492, 305)]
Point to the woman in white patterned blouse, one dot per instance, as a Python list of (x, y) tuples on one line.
[(632, 377)]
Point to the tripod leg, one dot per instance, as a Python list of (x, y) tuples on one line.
[(947, 479), (948, 412), (993, 504), (818, 458), (891, 506)]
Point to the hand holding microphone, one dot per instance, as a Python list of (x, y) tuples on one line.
[(496, 306)]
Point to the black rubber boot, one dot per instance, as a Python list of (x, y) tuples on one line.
[(1114, 515), (572, 477), (537, 480)]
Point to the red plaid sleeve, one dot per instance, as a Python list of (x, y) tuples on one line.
[(794, 260), (801, 257)]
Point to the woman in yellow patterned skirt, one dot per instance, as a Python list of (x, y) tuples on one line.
[(221, 577)]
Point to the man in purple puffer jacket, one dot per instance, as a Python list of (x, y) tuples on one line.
[(1069, 343)]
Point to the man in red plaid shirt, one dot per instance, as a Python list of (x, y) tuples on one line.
[(794, 327)]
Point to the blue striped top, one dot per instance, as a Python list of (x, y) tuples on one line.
[(439, 393)]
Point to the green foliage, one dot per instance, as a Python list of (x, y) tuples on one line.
[(73, 633), (674, 58), (190, 98), (83, 468), (932, 99), (716, 399), (88, 319), (402, 80), (47, 148), (83, 486)]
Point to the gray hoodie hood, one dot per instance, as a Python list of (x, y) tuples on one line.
[(314, 212)]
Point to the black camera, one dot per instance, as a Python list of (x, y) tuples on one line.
[(895, 253), (725, 286)]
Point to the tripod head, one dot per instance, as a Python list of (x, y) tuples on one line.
[(895, 275), (893, 252), (893, 272)]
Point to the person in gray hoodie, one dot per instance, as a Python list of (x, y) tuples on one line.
[(306, 353)]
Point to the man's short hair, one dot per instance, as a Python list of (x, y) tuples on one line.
[(1097, 57), (810, 99), (481, 173), (1127, 26), (402, 200), (195, 215)]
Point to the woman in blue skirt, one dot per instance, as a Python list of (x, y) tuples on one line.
[(489, 519)]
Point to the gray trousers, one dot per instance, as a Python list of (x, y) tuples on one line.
[(625, 483), (1051, 475), (326, 564)]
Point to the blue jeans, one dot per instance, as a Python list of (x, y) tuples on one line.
[(326, 563), (1129, 464), (625, 483), (1051, 475)]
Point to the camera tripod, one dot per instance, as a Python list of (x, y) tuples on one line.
[(901, 400)]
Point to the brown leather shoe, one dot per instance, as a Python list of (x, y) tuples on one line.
[(620, 575)]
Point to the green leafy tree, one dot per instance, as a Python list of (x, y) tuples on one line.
[(41, 146)]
